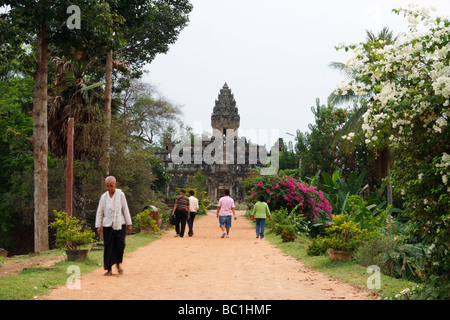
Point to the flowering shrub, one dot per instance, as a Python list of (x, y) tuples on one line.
[(409, 85), (288, 234), (344, 234), (287, 192)]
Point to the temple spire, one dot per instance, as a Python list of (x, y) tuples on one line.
[(225, 113)]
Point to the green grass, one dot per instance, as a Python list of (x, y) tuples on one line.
[(32, 283), (345, 271)]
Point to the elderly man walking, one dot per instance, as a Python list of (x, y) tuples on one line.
[(113, 218)]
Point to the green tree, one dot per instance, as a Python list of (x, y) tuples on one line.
[(38, 24), (162, 176), (199, 183), (144, 113), (15, 149), (317, 153), (105, 26), (288, 158), (151, 26)]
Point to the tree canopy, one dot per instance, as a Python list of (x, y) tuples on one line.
[(38, 48)]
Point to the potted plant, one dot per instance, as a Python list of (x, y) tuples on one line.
[(343, 237), (145, 222), (71, 236)]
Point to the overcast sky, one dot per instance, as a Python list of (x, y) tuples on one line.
[(274, 55)]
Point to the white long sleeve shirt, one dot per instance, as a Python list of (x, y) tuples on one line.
[(105, 216), (193, 204)]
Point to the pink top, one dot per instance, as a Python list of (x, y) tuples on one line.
[(225, 204)]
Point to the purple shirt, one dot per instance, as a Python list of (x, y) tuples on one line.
[(226, 204)]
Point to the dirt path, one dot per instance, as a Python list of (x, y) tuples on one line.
[(209, 267)]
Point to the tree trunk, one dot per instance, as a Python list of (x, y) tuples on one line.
[(108, 96), (383, 165), (40, 143), (69, 167), (390, 199)]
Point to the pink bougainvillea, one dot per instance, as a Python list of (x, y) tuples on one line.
[(288, 192)]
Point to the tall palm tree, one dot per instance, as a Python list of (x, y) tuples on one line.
[(72, 95), (67, 100), (383, 156)]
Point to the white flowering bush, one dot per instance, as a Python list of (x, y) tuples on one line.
[(407, 85)]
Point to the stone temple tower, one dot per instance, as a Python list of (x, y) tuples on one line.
[(225, 113), (220, 175)]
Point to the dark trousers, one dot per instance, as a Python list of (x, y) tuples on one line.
[(190, 223), (180, 226), (114, 241)]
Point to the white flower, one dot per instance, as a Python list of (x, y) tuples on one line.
[(444, 179), (420, 176), (405, 291), (441, 122), (446, 158), (437, 129)]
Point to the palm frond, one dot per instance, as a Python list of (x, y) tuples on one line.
[(352, 125), (385, 34), (338, 99), (342, 68), (92, 86)]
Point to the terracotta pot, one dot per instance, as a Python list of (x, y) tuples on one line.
[(76, 255), (341, 255)]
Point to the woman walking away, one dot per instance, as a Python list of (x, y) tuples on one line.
[(113, 218), (181, 212), (261, 212)]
